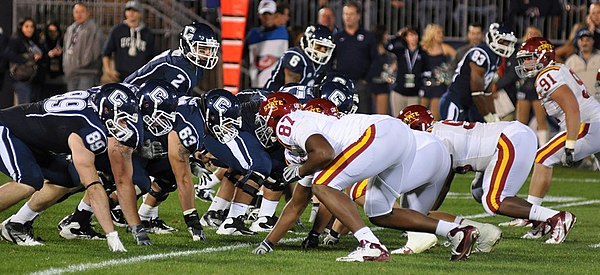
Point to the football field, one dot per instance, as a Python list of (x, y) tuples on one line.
[(575, 190)]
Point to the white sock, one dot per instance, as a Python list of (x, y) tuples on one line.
[(365, 233), (459, 219), (444, 227), (540, 213), (148, 212), (84, 207), (219, 203), (267, 208), (535, 200), (24, 215), (237, 209)]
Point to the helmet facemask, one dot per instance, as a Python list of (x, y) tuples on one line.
[(224, 129), (319, 50), (529, 64), (501, 43), (160, 122), (121, 125), (203, 54), (263, 132)]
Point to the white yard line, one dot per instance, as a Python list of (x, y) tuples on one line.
[(136, 259)]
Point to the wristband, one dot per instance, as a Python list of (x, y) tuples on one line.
[(477, 93), (570, 144)]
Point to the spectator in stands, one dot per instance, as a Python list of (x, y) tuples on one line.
[(563, 52), (81, 57), (327, 18), (356, 51), (282, 18), (380, 82), (536, 12), (54, 82), (474, 38), (587, 60), (5, 101), (131, 43), (439, 54), (23, 46), (593, 22), (411, 62), (264, 45)]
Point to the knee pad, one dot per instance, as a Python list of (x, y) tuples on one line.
[(166, 186), (251, 175), (159, 195)]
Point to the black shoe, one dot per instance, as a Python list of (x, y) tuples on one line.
[(263, 224), (234, 226), (212, 218), (71, 230), (18, 233), (118, 217), (158, 226)]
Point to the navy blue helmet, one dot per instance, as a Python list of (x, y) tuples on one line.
[(340, 95), (222, 112), (199, 45), (501, 40), (301, 92), (116, 105), (317, 43), (337, 77), (158, 102)]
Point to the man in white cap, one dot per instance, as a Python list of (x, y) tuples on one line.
[(130, 45), (265, 44)]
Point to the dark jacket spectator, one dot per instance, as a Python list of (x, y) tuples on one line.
[(54, 82)]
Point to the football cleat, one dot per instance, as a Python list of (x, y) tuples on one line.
[(234, 226), (517, 223), (263, 224), (560, 225), (463, 239), (212, 218), (72, 230), (18, 233), (331, 240), (204, 194), (252, 214), (367, 251), (489, 236), (157, 226), (118, 217), (538, 230), (418, 242)]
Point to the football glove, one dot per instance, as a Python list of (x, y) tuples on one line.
[(332, 238), (291, 173), (192, 220), (140, 235), (263, 248), (114, 243), (151, 150), (569, 157), (311, 241)]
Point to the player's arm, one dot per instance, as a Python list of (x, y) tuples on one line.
[(122, 169), (319, 154), (482, 100), (83, 160), (564, 97), (179, 158), (291, 77)]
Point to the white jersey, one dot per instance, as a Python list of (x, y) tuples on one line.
[(557, 75), (294, 129), (471, 144)]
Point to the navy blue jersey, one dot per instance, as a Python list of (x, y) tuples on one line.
[(295, 60), (46, 125), (172, 67), (189, 124), (481, 56), (301, 92)]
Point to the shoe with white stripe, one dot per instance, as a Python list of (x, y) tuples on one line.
[(18, 233), (418, 242), (560, 225), (367, 251)]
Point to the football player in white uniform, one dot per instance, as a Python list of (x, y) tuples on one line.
[(504, 151), (566, 99), (340, 152)]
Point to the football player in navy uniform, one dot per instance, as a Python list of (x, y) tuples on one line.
[(473, 76), (252, 161), (303, 65), (80, 124), (183, 67)]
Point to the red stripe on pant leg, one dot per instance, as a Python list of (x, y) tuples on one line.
[(495, 190)]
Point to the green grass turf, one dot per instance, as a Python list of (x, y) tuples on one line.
[(231, 254)]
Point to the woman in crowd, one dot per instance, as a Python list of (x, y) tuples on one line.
[(54, 82), (439, 55)]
